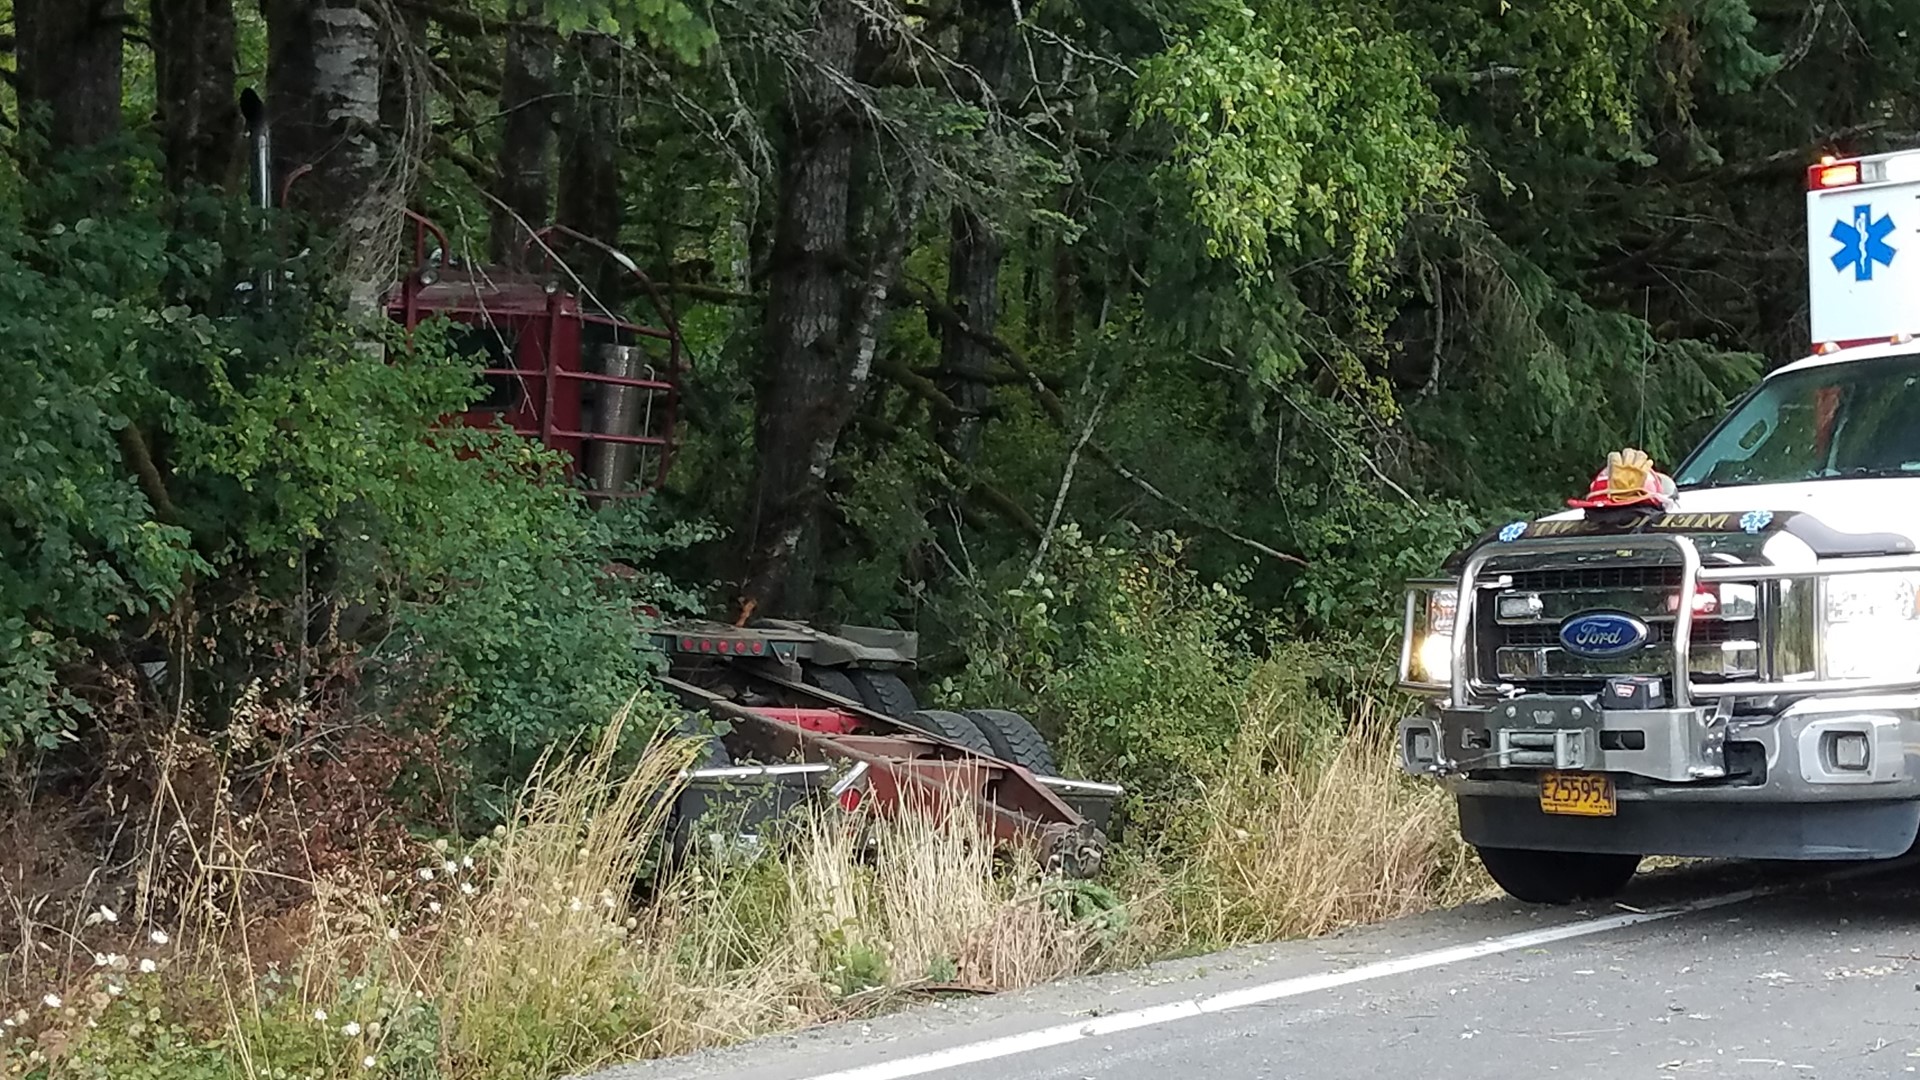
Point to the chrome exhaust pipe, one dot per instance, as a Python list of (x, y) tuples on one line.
[(260, 137)]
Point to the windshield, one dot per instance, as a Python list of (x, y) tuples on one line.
[(1854, 419)]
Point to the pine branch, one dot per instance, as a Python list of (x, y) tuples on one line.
[(1056, 410)]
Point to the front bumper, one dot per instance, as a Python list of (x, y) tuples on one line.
[(1822, 778)]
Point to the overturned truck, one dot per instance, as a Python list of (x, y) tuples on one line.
[(791, 713)]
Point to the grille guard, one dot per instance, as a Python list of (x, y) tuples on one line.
[(1465, 690)]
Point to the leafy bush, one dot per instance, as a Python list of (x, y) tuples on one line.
[(188, 473), (1131, 664)]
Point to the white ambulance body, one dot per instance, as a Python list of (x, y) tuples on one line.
[(1863, 249)]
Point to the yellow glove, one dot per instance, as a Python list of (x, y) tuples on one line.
[(1629, 474)]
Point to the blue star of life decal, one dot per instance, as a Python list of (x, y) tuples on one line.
[(1863, 242), (1754, 521), (1512, 532)]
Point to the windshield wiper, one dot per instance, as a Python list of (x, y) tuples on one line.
[(1863, 472)]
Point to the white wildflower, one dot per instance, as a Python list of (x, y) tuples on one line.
[(116, 989), (100, 959), (368, 1062), (575, 904), (320, 1016), (148, 967), (352, 1030), (466, 861), (433, 906), (466, 887), (450, 866), (52, 1001), (426, 873), (159, 937)]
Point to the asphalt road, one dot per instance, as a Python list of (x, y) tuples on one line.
[(1704, 971)]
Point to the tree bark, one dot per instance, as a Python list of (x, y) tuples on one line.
[(193, 68), (796, 406), (823, 311), (524, 169), (323, 80), (69, 61), (975, 249), (589, 199), (974, 255)]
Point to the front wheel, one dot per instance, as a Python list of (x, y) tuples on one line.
[(1557, 877)]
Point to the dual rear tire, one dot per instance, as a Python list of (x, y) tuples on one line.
[(994, 732)]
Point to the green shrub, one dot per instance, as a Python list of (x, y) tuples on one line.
[(187, 470), (1131, 663)]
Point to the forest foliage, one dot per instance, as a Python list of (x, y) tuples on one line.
[(1215, 318)]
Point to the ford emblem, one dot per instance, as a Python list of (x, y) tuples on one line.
[(1602, 635)]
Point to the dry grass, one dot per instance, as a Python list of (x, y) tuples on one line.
[(1299, 836), (527, 956)]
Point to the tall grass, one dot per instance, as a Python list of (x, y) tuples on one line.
[(1298, 837), (529, 954)]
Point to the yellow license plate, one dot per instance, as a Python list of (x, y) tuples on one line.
[(1580, 794)]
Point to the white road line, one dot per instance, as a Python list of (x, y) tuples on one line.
[(1006, 1046)]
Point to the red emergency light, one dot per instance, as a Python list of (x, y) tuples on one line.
[(1833, 174)]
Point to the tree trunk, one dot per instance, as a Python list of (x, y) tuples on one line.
[(589, 188), (796, 402), (193, 64), (323, 93), (975, 249), (973, 289), (323, 81), (822, 314), (523, 178), (69, 61)]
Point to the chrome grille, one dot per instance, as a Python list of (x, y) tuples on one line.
[(1562, 579), (1518, 637)]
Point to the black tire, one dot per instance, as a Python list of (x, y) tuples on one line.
[(1014, 738), (1558, 877), (682, 831), (834, 682), (885, 693), (713, 754), (952, 727)]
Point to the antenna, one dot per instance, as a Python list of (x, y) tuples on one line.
[(1646, 364)]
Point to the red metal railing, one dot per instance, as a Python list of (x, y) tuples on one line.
[(558, 362)]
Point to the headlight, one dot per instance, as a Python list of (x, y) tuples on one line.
[(1870, 626), (1427, 653)]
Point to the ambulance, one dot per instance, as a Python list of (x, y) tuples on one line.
[(1718, 657)]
